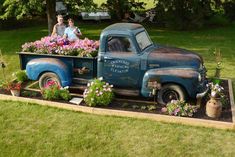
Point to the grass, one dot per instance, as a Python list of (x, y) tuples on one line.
[(31, 130), (149, 3)]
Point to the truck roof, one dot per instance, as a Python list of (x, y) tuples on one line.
[(123, 26)]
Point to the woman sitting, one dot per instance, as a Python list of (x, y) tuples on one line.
[(72, 33)]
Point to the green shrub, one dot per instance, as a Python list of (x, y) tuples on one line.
[(180, 108), (64, 94), (98, 93), (21, 76), (217, 20), (229, 7), (54, 92), (118, 8), (183, 14)]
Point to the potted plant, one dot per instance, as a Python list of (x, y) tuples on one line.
[(214, 105), (14, 88)]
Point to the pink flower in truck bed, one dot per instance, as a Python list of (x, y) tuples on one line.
[(61, 46)]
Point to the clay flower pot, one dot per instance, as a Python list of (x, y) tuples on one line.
[(213, 108), (15, 92)]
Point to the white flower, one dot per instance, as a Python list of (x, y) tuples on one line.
[(111, 86), (101, 78), (66, 87), (88, 84), (213, 93)]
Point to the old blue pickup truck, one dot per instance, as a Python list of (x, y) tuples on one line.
[(130, 61)]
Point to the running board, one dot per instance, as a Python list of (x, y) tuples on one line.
[(80, 81), (126, 92)]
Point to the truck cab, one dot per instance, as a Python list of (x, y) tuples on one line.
[(129, 59)]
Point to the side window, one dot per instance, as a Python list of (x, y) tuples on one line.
[(119, 44)]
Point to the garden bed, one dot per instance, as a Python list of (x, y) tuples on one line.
[(137, 107)]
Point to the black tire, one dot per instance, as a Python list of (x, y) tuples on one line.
[(170, 92), (48, 76)]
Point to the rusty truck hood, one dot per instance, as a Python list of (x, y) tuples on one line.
[(163, 56)]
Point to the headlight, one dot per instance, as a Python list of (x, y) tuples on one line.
[(199, 78)]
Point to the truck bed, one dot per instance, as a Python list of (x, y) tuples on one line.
[(82, 68)]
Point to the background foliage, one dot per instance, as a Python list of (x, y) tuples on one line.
[(175, 14), (191, 14)]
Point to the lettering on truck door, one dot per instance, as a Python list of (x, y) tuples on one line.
[(121, 63)]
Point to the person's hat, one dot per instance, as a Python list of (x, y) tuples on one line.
[(60, 17)]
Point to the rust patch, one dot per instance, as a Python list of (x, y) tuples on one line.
[(174, 54)]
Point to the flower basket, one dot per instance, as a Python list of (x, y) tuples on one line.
[(13, 87), (15, 92)]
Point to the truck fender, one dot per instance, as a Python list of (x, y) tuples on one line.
[(36, 67), (187, 78)]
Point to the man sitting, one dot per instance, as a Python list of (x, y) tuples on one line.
[(59, 28)]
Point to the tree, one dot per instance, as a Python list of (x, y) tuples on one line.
[(184, 14), (118, 8), (229, 9), (29, 8), (51, 14)]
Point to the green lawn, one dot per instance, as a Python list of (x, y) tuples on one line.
[(32, 130)]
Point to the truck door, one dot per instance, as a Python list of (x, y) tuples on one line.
[(121, 63)]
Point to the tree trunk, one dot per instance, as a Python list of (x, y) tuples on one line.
[(51, 14)]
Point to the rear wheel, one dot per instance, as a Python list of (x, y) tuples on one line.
[(170, 92), (47, 79)]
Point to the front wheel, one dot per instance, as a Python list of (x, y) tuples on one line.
[(170, 92), (47, 79)]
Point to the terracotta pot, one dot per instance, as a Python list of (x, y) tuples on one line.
[(15, 92), (214, 108)]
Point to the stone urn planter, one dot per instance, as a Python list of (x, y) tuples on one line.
[(213, 107), (15, 92)]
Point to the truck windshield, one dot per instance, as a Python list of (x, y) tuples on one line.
[(143, 40)]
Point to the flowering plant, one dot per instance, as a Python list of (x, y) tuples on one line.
[(180, 108), (52, 91), (99, 93), (216, 90), (61, 46)]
